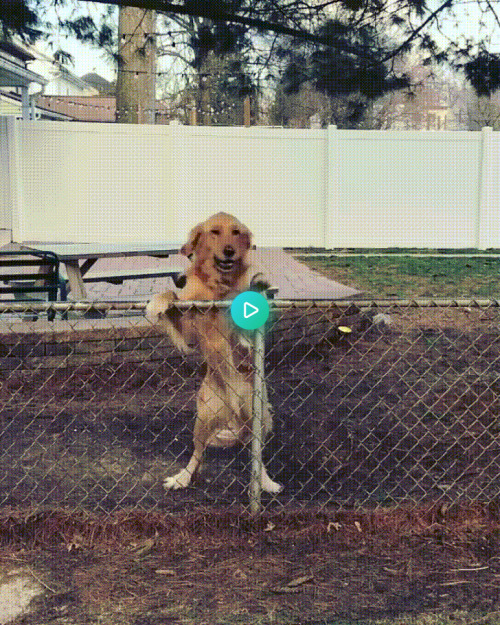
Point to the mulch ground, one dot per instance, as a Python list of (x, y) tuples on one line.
[(212, 567)]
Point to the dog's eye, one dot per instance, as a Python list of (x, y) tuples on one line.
[(236, 233), (215, 231)]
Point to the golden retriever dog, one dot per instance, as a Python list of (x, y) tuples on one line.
[(219, 248)]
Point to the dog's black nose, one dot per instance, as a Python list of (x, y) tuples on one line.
[(229, 251)]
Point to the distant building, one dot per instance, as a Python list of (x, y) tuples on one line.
[(103, 86), (17, 81), (428, 105), (60, 80), (28, 77), (436, 104)]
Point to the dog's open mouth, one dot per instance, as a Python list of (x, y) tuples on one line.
[(224, 264)]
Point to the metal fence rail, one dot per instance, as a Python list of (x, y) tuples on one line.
[(97, 409)]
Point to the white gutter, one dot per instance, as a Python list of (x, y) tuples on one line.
[(14, 75)]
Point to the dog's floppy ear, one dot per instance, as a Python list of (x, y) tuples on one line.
[(194, 238), (246, 238)]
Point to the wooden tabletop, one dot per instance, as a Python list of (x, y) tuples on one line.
[(81, 251)]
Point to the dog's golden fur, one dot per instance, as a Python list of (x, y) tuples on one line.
[(219, 248)]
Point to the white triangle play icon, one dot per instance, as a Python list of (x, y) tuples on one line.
[(249, 310)]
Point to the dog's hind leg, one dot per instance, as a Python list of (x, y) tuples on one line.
[(211, 412), (200, 438), (183, 478), (267, 484)]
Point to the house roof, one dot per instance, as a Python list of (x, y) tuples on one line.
[(23, 54), (13, 73), (76, 80), (101, 84), (16, 51), (82, 108), (10, 105)]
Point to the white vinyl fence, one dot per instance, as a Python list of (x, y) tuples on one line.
[(89, 182)]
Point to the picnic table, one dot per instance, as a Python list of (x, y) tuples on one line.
[(79, 258)]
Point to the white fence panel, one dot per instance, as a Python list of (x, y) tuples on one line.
[(488, 226), (95, 182), (271, 178), (404, 189), (85, 182), (7, 179)]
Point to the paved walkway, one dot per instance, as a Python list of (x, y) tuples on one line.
[(294, 279)]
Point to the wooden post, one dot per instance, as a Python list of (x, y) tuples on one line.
[(193, 118), (247, 111)]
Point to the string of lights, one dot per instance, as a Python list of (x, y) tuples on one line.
[(160, 108), (193, 72), (192, 110), (174, 112), (232, 115), (168, 108), (162, 105)]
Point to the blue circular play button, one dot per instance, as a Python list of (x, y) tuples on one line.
[(250, 310)]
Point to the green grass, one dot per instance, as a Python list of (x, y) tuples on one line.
[(438, 617), (457, 617), (413, 276)]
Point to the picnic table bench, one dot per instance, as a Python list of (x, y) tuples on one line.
[(79, 258), (118, 276)]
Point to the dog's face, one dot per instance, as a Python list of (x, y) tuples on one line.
[(221, 240)]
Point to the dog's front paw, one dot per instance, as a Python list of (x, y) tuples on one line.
[(159, 305), (259, 283)]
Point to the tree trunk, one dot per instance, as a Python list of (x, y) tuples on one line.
[(135, 88)]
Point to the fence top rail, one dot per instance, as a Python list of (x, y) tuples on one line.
[(103, 306)]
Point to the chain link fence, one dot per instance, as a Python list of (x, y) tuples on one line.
[(374, 404)]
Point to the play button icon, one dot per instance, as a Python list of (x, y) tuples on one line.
[(249, 310)]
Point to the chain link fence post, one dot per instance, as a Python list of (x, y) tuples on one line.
[(257, 414)]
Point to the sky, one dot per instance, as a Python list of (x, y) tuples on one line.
[(86, 58)]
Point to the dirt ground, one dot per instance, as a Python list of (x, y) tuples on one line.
[(391, 415), (399, 412)]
